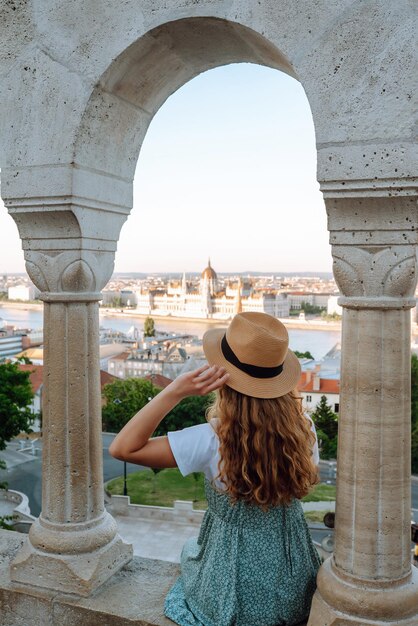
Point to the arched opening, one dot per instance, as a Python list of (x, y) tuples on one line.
[(227, 169), (137, 83), (134, 89), (144, 76)]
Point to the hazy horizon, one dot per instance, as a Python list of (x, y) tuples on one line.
[(308, 273)]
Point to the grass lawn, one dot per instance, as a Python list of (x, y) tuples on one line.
[(162, 489), (168, 485), (321, 493), (315, 516)]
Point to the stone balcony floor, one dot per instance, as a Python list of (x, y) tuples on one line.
[(134, 596)]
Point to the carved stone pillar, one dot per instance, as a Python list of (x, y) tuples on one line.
[(73, 547), (369, 579)]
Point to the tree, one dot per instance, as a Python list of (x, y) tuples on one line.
[(330, 317), (326, 424), (123, 399), (149, 327), (15, 397), (3, 484), (311, 309), (303, 355), (116, 302), (188, 412), (15, 415)]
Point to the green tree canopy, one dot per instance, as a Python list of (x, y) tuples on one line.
[(149, 327), (326, 423), (123, 399), (15, 415), (126, 397), (190, 411), (311, 309), (303, 355), (15, 397)]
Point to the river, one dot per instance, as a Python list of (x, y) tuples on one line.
[(318, 342)]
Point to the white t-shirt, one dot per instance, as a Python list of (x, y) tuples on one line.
[(196, 449)]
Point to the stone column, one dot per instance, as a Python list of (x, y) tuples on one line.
[(73, 547), (369, 579)]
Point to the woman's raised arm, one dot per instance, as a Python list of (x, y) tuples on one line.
[(133, 443)]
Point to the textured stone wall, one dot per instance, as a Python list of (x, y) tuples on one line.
[(67, 78), (79, 84)]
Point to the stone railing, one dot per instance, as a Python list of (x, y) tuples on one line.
[(181, 512), (21, 511)]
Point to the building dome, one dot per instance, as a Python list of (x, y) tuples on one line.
[(209, 273)]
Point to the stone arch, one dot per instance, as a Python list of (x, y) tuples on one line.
[(142, 77), (74, 113)]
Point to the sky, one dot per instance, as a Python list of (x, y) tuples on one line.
[(227, 171)]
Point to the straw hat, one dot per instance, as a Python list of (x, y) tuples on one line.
[(254, 351)]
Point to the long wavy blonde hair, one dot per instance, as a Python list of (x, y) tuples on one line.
[(265, 447)]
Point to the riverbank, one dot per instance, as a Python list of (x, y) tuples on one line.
[(314, 324), (165, 318), (26, 306), (293, 323)]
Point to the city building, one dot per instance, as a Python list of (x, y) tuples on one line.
[(333, 307), (22, 292), (10, 345), (321, 378), (313, 386), (210, 299), (159, 356)]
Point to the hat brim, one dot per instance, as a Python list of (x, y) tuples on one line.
[(244, 383)]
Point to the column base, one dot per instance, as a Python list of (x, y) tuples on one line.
[(340, 602), (324, 615), (78, 574)]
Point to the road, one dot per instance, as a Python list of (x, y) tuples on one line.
[(26, 476), (25, 473)]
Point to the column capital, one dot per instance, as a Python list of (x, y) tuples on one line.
[(70, 276), (374, 250), (69, 224)]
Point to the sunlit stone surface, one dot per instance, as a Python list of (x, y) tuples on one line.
[(80, 84)]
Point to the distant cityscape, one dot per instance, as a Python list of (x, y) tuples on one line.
[(179, 304), (205, 295)]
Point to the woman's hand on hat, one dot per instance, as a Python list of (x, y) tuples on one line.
[(200, 381)]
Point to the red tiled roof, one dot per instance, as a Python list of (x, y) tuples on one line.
[(159, 380), (106, 378), (120, 357), (326, 385), (35, 376)]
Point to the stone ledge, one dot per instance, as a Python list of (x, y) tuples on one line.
[(134, 596)]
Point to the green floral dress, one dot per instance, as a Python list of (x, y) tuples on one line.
[(248, 567)]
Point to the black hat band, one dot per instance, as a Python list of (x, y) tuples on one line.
[(252, 370)]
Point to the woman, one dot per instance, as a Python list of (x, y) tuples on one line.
[(253, 563)]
